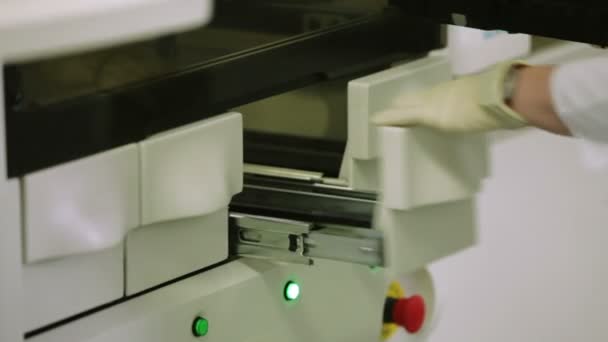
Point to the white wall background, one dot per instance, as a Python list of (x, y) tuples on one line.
[(540, 269)]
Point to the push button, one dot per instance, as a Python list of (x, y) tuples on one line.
[(200, 326), (408, 313)]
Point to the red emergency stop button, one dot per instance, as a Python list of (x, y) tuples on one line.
[(409, 313), (406, 312)]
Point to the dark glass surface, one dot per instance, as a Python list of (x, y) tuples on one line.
[(238, 26), (70, 107)]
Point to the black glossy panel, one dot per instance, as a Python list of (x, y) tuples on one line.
[(577, 20), (292, 152), (303, 206), (71, 107)]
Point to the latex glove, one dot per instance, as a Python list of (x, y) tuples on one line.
[(470, 104)]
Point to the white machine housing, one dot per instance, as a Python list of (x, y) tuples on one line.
[(59, 274), (92, 232)]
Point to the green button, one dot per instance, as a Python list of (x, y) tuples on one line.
[(292, 291), (200, 327)]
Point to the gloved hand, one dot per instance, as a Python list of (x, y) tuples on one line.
[(470, 104)]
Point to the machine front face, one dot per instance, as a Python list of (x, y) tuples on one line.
[(181, 188), (144, 203)]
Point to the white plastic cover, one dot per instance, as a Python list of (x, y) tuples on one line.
[(37, 28), (81, 207), (193, 170), (189, 176)]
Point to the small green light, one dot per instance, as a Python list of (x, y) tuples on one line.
[(292, 291), (200, 327)]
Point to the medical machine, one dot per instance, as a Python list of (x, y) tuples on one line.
[(194, 171)]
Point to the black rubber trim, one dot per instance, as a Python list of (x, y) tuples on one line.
[(299, 153), (304, 206), (293, 243), (306, 186), (389, 306)]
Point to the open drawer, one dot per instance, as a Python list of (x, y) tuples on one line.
[(128, 219), (417, 185), (323, 165)]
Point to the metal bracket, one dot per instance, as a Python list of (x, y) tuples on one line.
[(302, 242)]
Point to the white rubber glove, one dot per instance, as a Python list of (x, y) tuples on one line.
[(470, 104)]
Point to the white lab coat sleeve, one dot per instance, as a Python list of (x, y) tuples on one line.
[(580, 97)]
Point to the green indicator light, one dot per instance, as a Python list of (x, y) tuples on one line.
[(292, 291), (200, 327)]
